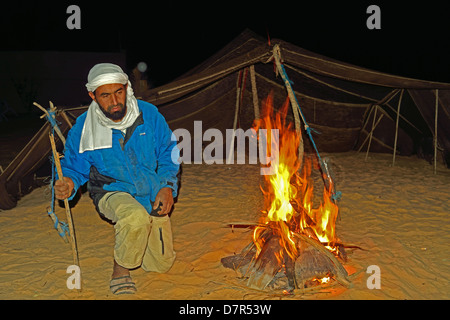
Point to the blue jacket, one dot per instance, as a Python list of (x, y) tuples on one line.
[(139, 163)]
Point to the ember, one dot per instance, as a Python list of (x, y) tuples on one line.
[(294, 245)]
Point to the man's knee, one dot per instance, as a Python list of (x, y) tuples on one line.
[(133, 215)]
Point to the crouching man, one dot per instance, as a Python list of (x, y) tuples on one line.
[(123, 149)]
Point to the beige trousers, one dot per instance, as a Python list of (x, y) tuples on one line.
[(141, 239)]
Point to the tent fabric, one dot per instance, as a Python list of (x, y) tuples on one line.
[(337, 99), (19, 177)]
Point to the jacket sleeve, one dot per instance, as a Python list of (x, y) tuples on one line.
[(74, 164), (167, 154)]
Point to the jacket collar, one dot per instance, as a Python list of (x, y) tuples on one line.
[(139, 120)]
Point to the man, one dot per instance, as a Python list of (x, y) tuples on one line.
[(123, 149)]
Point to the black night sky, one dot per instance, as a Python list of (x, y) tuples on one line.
[(174, 36)]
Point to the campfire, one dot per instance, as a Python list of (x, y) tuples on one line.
[(294, 245)]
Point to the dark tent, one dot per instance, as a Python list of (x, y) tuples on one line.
[(350, 106), (336, 98)]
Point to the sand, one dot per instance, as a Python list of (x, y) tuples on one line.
[(399, 215)]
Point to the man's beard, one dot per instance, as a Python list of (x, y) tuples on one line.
[(116, 115)]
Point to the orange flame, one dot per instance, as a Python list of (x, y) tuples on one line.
[(288, 193)]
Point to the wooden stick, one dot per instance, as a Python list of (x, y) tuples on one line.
[(373, 128), (244, 224), (236, 114), (64, 116), (370, 136), (435, 128), (254, 92), (396, 127), (72, 239), (294, 104)]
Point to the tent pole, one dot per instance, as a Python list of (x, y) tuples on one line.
[(396, 126), (64, 116), (386, 99), (293, 100), (254, 92), (364, 126), (255, 101), (236, 113), (371, 132), (435, 128)]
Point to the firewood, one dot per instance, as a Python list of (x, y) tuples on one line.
[(341, 274), (266, 265), (273, 268)]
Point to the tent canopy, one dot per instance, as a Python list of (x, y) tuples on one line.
[(336, 98), (341, 101)]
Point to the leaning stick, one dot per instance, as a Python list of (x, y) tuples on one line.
[(396, 127), (73, 241), (293, 100), (435, 128)]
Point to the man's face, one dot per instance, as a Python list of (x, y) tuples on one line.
[(112, 100)]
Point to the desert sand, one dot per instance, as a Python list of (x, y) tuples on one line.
[(398, 214)]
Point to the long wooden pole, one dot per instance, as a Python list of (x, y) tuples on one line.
[(254, 91), (371, 132), (435, 128), (72, 239), (236, 115), (396, 127), (293, 100)]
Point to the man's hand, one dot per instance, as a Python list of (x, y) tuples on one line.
[(63, 188), (165, 196)]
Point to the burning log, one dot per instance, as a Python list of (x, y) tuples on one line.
[(323, 261), (313, 265)]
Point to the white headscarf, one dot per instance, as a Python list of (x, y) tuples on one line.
[(97, 133)]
